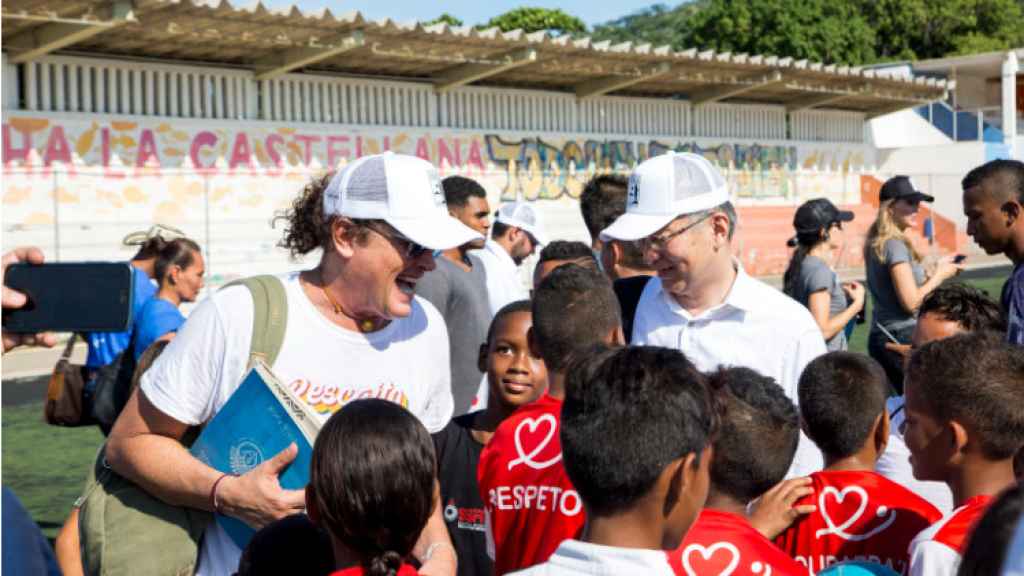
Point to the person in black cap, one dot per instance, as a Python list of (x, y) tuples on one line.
[(810, 279), (896, 278)]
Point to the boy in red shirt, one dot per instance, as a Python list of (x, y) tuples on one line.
[(861, 515), (636, 429), (965, 422), (515, 377), (753, 449), (530, 504)]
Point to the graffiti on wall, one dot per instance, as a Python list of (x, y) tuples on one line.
[(528, 167)]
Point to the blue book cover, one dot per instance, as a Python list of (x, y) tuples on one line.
[(261, 418)]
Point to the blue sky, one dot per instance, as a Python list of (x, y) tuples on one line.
[(469, 11)]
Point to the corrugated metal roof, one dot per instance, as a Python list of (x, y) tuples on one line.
[(213, 31)]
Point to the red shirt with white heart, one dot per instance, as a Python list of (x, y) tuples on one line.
[(531, 506), (936, 550), (724, 543), (861, 515)]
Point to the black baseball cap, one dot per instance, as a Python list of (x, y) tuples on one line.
[(901, 188), (819, 213)]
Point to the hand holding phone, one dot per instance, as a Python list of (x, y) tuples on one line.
[(959, 258), (13, 299), (69, 297)]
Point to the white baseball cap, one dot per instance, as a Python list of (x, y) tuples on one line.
[(666, 187), (522, 215), (404, 191)]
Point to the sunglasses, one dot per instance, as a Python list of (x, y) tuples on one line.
[(406, 247)]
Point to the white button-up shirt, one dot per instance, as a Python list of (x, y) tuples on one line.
[(504, 285), (757, 327), (573, 557)]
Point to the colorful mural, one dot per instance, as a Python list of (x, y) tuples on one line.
[(75, 184), (535, 168)]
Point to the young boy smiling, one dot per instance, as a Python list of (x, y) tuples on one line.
[(515, 377), (965, 422)]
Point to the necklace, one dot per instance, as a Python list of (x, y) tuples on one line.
[(365, 325)]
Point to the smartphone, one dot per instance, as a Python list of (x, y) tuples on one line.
[(959, 258), (71, 297), (888, 334)]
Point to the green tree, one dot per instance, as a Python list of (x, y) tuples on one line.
[(937, 28), (658, 25), (535, 19), (822, 30), (834, 31), (446, 18)]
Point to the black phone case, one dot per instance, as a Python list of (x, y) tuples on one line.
[(71, 297)]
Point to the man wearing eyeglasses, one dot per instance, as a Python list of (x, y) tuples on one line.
[(701, 301), (516, 235)]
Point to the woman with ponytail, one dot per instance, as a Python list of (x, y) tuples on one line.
[(179, 271), (811, 280), (371, 487), (896, 277)]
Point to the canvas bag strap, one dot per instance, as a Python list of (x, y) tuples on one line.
[(270, 317), (69, 347)]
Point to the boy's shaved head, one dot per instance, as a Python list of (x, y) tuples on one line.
[(758, 434), (976, 379)]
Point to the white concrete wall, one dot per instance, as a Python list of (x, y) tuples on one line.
[(904, 128), (936, 170)]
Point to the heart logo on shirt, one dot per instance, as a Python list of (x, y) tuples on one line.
[(704, 558), (528, 427), (840, 530)]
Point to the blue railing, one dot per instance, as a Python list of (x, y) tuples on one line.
[(959, 125)]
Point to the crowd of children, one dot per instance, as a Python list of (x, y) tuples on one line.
[(594, 457)]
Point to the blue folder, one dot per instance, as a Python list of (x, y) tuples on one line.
[(261, 418)]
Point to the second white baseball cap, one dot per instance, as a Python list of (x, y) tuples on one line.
[(522, 215), (666, 187)]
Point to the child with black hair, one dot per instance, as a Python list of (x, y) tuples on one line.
[(530, 503), (861, 515), (515, 377), (372, 486), (753, 448), (636, 437), (964, 424), (559, 252), (990, 542)]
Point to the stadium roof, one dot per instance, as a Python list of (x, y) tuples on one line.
[(276, 41)]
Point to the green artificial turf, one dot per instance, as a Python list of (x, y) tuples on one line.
[(992, 285), (44, 465)]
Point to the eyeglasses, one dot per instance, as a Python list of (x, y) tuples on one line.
[(406, 247), (659, 242)]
